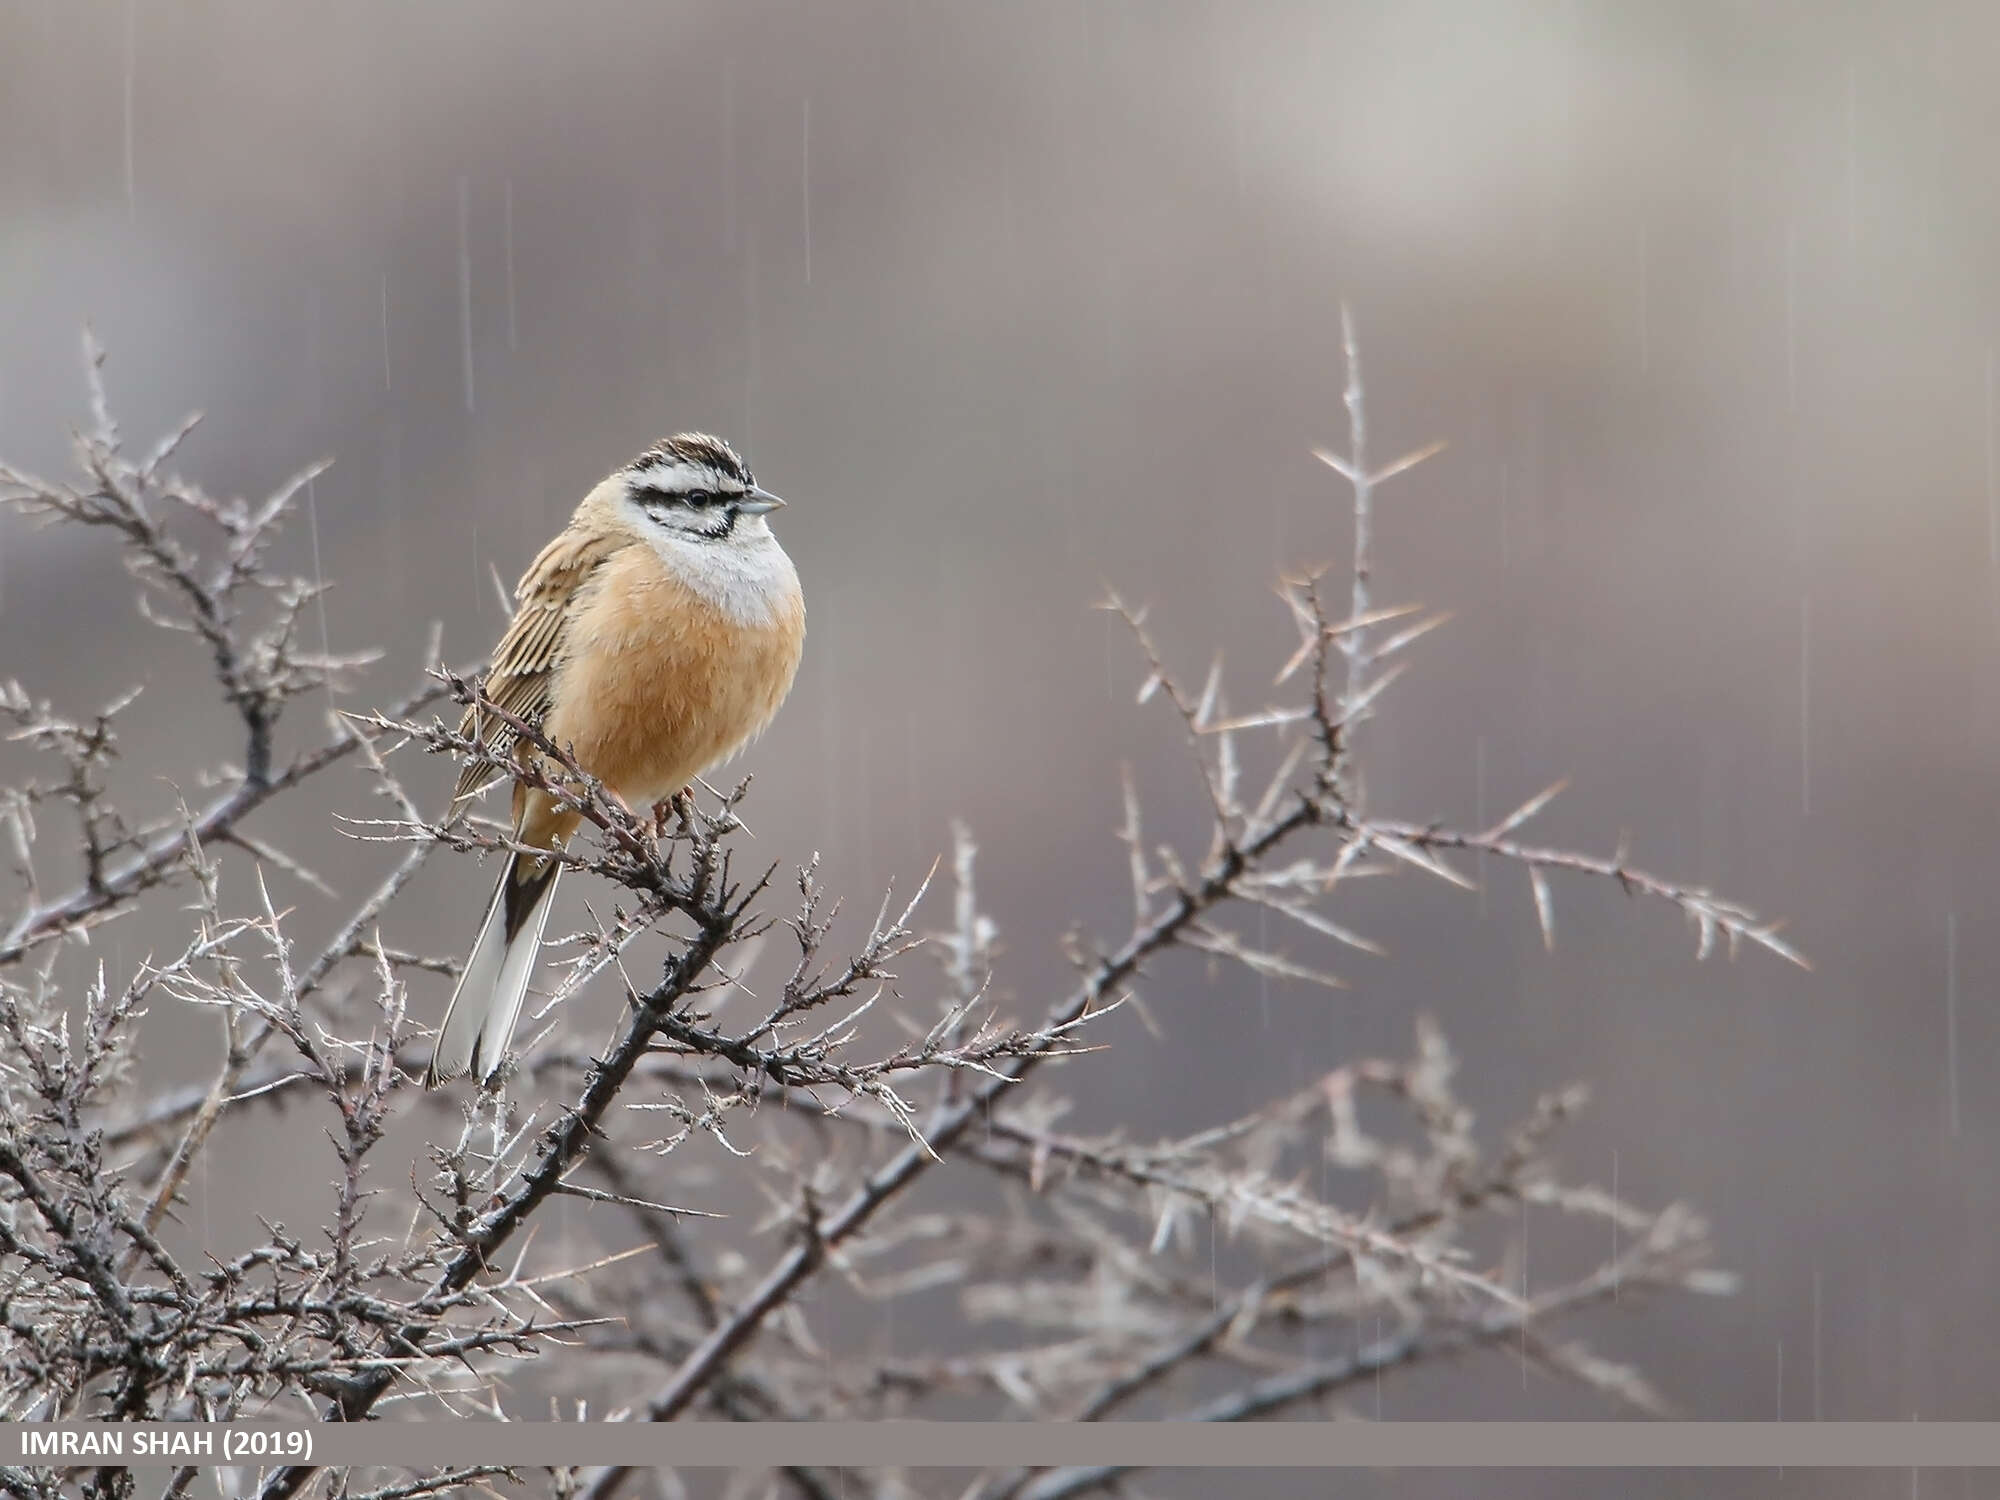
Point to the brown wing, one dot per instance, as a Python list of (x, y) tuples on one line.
[(522, 676)]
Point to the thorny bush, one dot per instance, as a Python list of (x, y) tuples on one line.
[(419, 1287)]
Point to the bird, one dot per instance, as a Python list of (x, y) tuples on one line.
[(654, 637)]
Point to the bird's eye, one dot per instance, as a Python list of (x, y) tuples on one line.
[(700, 499)]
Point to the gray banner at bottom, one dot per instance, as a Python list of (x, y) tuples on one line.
[(963, 1445)]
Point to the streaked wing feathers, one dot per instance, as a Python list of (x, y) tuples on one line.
[(522, 676)]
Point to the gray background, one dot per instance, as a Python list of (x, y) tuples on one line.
[(1699, 294)]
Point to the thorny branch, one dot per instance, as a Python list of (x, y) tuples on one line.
[(1230, 1257)]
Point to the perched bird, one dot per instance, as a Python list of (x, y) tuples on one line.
[(654, 637)]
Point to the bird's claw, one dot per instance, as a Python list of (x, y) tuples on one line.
[(682, 802)]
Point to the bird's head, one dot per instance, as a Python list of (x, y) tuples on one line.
[(695, 488)]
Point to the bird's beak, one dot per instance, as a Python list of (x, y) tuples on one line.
[(757, 502)]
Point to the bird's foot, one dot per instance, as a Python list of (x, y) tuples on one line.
[(682, 802)]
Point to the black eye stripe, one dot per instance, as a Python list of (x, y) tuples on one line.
[(712, 511), (655, 499)]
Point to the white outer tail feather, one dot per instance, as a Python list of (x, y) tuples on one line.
[(484, 1008)]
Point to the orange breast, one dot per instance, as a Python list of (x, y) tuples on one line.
[(656, 684)]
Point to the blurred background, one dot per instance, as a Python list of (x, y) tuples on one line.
[(1017, 302)]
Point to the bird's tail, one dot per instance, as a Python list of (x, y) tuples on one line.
[(480, 1019)]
